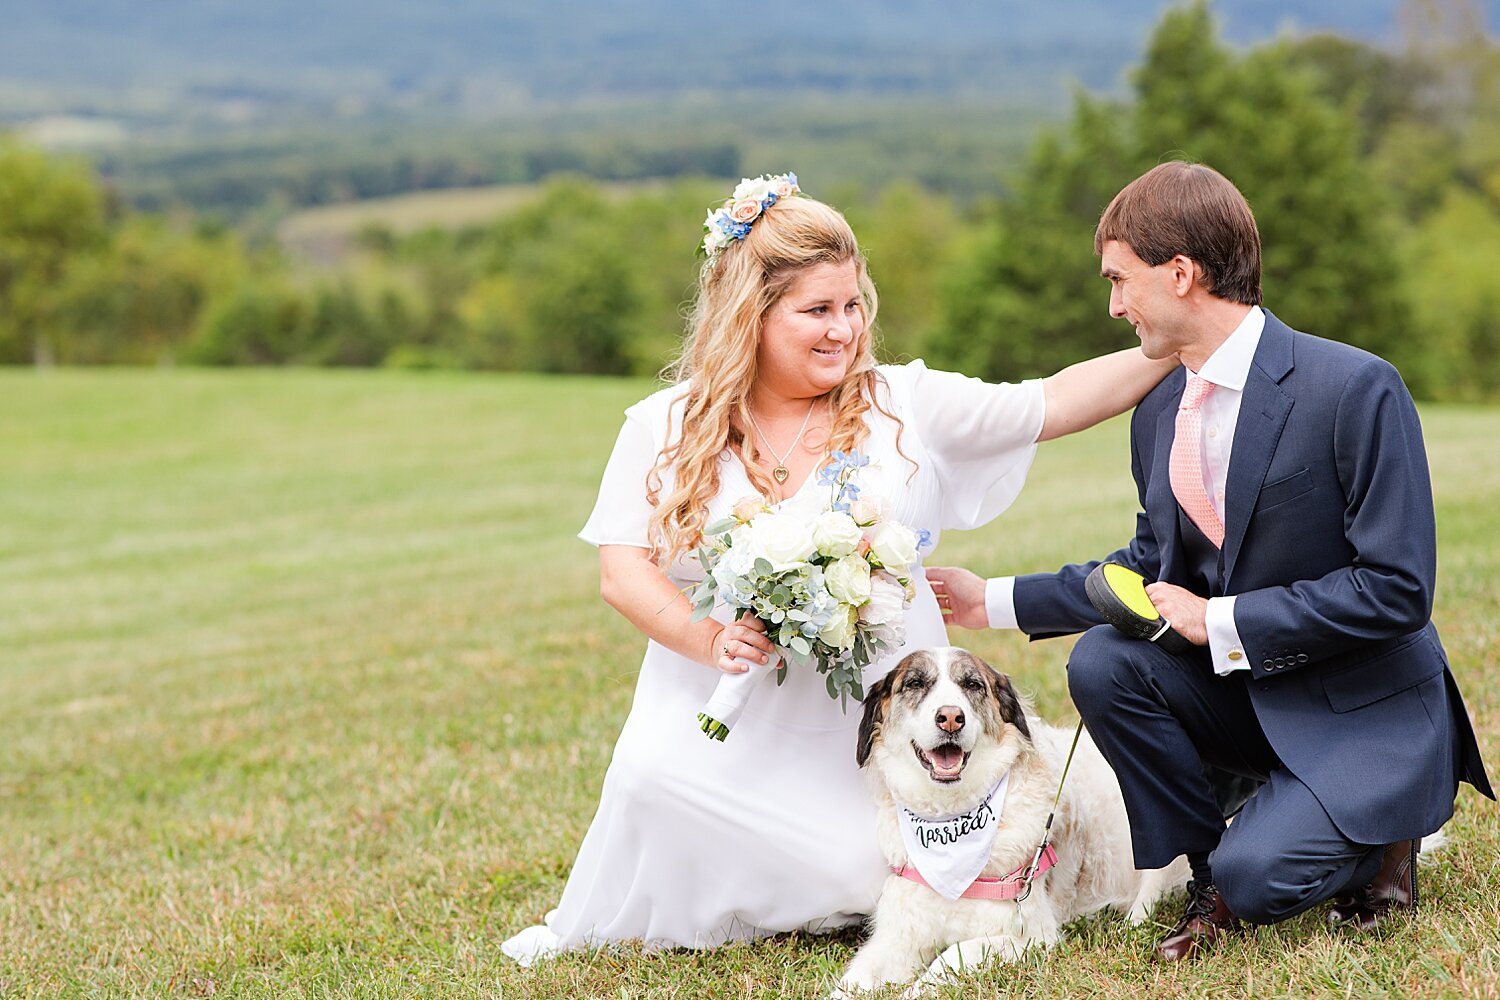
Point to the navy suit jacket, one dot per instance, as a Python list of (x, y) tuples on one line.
[(1330, 548)]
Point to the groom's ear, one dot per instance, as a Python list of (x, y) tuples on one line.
[(1186, 273), (877, 699)]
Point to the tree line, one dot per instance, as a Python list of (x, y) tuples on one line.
[(1375, 176)]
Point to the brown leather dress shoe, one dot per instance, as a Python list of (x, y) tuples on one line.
[(1393, 890), (1204, 921)]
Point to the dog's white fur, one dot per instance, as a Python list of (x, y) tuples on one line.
[(917, 931)]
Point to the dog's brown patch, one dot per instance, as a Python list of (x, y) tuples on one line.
[(917, 667), (990, 693)]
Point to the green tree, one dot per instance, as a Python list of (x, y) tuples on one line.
[(580, 304), (261, 323), (910, 237), (1456, 300), (1031, 301), (143, 296), (1028, 299), (51, 214), (577, 287)]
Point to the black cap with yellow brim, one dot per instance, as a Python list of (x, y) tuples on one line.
[(1119, 594)]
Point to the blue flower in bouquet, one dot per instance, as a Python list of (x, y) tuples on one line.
[(821, 605)]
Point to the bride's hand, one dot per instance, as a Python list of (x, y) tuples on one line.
[(745, 639)]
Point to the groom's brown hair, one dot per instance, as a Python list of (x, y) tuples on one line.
[(1189, 209)]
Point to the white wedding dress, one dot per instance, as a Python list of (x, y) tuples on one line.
[(697, 842)]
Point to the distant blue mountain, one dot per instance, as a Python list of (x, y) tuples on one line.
[(482, 55)]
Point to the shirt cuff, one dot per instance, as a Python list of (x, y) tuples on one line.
[(1000, 601), (1224, 644)]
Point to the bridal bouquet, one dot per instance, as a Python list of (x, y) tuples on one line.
[(831, 581)]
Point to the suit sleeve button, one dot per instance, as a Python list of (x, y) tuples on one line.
[(1301, 657), (1268, 665)]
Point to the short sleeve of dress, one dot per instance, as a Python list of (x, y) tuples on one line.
[(622, 513), (981, 437)]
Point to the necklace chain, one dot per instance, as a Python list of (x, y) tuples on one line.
[(781, 472)]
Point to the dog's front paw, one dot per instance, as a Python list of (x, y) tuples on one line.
[(925, 987), (873, 968), (860, 978)]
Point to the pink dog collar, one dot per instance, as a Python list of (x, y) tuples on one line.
[(1007, 887)]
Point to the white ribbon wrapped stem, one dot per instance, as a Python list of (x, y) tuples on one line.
[(732, 694)]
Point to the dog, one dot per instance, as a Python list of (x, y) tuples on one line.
[(946, 741)]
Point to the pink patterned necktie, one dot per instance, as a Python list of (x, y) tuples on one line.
[(1186, 468)]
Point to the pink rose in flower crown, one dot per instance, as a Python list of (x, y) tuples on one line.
[(783, 188), (745, 210)]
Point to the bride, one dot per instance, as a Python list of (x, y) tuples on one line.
[(697, 842)]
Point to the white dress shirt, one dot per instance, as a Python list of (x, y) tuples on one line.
[(1227, 368)]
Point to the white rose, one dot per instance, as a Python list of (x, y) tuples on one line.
[(752, 187), (866, 512), (839, 632), (848, 579), (894, 544), (783, 539), (835, 534), (887, 601)]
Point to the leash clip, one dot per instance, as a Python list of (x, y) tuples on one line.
[(1031, 870)]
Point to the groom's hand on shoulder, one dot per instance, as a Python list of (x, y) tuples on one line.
[(960, 596)]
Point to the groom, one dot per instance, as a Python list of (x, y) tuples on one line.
[(1288, 523)]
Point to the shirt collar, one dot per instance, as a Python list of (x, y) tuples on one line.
[(1229, 366)]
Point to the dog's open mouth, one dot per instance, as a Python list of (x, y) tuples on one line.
[(944, 763)]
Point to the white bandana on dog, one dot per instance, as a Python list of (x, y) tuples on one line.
[(950, 853)]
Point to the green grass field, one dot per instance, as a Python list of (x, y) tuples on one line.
[(306, 690)]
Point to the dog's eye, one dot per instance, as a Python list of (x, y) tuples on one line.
[(914, 683), (971, 684)]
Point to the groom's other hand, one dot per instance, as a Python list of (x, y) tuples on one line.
[(1187, 612), (960, 595)]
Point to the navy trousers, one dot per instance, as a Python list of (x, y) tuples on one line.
[(1166, 723)]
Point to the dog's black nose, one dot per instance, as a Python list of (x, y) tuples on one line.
[(950, 718)]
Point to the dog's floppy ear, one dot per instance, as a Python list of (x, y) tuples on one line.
[(869, 726), (1011, 709)]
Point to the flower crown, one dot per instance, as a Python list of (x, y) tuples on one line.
[(751, 198)]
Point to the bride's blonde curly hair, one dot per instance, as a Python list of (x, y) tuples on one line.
[(736, 290)]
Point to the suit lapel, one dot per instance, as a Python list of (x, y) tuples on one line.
[(1263, 412)]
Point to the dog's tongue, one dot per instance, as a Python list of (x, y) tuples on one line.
[(946, 758)]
